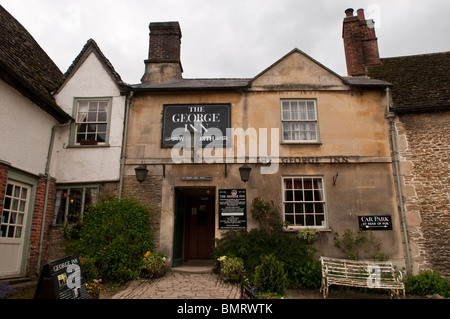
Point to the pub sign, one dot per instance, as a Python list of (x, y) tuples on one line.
[(204, 124)]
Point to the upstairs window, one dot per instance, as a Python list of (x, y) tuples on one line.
[(299, 121), (92, 121)]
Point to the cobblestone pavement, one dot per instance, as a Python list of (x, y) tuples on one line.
[(180, 285)]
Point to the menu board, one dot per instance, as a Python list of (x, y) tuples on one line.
[(232, 209), (62, 279)]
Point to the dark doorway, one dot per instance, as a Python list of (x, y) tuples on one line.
[(194, 228)]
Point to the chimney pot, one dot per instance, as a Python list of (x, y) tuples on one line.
[(349, 12), (361, 16)]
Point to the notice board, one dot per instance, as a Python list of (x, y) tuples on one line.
[(232, 209), (62, 279)]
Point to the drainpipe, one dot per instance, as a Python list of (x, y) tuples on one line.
[(47, 189), (124, 142), (395, 157)]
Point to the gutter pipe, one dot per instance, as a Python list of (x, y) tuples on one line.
[(47, 190), (124, 142), (395, 156)]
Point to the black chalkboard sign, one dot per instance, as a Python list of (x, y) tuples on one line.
[(247, 292), (62, 279)]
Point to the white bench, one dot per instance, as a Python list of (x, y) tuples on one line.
[(358, 273)]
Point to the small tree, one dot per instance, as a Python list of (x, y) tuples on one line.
[(270, 276)]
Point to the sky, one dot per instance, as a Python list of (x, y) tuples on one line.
[(228, 38)]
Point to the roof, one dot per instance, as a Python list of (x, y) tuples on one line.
[(92, 47), (245, 83), (195, 85), (25, 66), (421, 82)]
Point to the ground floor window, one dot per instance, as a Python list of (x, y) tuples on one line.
[(304, 203), (15, 206), (72, 202)]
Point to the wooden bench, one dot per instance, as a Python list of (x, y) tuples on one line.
[(366, 274)]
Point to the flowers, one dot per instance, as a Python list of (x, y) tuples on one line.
[(232, 269), (6, 291), (153, 265), (94, 288)]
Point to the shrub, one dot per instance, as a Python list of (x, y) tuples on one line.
[(90, 272), (296, 255), (115, 233), (270, 276), (232, 269), (428, 283), (153, 265)]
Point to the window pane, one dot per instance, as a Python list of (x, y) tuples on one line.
[(290, 219), (102, 116), (289, 196), (288, 183), (289, 208), (93, 107)]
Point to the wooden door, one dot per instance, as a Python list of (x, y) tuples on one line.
[(199, 227)]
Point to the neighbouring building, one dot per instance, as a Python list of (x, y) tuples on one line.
[(317, 145), (420, 108), (29, 118), (60, 147)]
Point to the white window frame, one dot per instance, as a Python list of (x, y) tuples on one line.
[(304, 202), (299, 122), (79, 121)]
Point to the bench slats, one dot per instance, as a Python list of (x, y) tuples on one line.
[(368, 274)]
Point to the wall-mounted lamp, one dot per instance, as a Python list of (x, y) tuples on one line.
[(141, 173), (245, 172)]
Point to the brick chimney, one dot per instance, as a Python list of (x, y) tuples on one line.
[(163, 64), (360, 43)]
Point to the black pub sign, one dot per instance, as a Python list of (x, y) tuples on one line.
[(205, 123), (232, 209), (62, 279), (375, 222)]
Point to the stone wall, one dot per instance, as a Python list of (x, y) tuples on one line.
[(147, 193), (424, 150)]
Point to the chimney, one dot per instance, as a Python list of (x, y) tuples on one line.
[(360, 43), (163, 64)]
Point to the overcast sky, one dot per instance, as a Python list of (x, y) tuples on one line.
[(228, 38)]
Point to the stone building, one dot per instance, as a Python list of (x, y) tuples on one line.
[(317, 145), (421, 115), (419, 103)]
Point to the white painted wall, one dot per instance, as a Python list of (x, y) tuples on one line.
[(25, 131), (89, 164)]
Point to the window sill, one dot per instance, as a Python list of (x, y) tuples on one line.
[(293, 229), (301, 143), (106, 145)]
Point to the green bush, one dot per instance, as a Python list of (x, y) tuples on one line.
[(232, 269), (154, 265), (270, 276), (428, 283), (115, 233), (296, 255), (90, 272)]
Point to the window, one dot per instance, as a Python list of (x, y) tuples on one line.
[(15, 207), (299, 121), (304, 202), (71, 203), (92, 117)]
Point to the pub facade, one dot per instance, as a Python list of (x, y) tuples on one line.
[(199, 151)]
